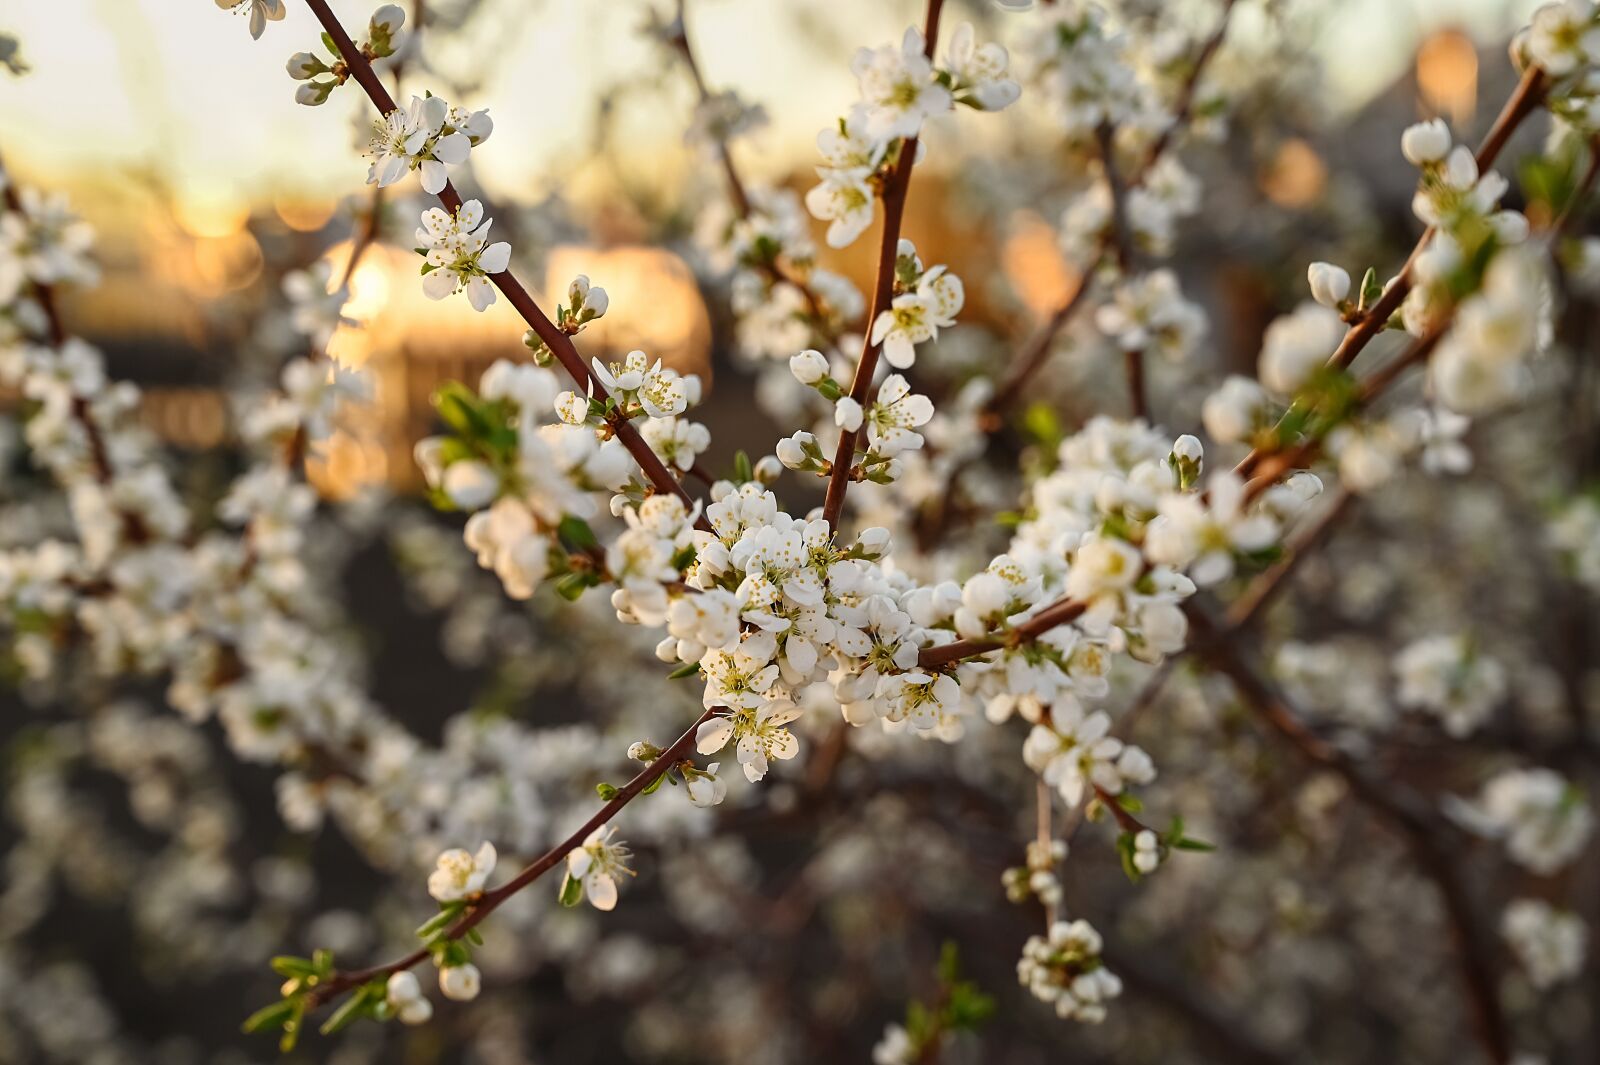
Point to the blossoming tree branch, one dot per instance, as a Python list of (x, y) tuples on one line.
[(878, 596)]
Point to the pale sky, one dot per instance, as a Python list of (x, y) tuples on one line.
[(177, 87)]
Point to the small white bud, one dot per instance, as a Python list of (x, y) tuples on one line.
[(808, 367), (460, 982), (1330, 284), (1426, 142), (303, 65), (768, 469)]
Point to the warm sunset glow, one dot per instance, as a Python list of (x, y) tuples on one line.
[(1447, 75)]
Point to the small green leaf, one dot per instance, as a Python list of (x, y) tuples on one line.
[(269, 1018), (1371, 288), (742, 470), (292, 1026), (688, 669), (575, 532), (1194, 845), (651, 787), (606, 791), (573, 585), (439, 921), (290, 966), (353, 1008), (571, 891)]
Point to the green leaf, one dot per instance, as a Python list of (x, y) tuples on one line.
[(573, 585), (571, 891), (606, 791), (1041, 422), (1371, 288), (651, 787), (1130, 802), (289, 966), (269, 1018), (292, 1026), (688, 669), (949, 962), (576, 533), (742, 470), (458, 406), (968, 1007), (1194, 845), (352, 1009), (439, 921), (474, 936)]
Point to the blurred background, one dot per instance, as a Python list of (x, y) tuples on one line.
[(186, 150), (179, 139)]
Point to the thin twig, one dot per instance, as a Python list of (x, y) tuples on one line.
[(1425, 834), (559, 343), (491, 900), (1522, 102), (894, 203)]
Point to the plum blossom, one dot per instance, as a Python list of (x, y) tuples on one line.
[(458, 255), (461, 876)]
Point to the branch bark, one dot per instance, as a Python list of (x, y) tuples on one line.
[(558, 342), (894, 205)]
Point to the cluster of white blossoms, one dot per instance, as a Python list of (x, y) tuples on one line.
[(1542, 818), (1149, 314), (781, 299), (1038, 878), (1561, 39), (1063, 968), (1549, 943), (773, 610), (900, 89), (1480, 249), (428, 137), (1448, 676), (42, 242), (459, 255), (1074, 754)]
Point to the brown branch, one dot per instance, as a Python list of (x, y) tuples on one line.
[(1058, 613), (1261, 589), (1424, 834), (894, 205), (1277, 464), (737, 188), (340, 982), (559, 343), (1036, 351), (1184, 109), (1527, 96), (1064, 610)]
